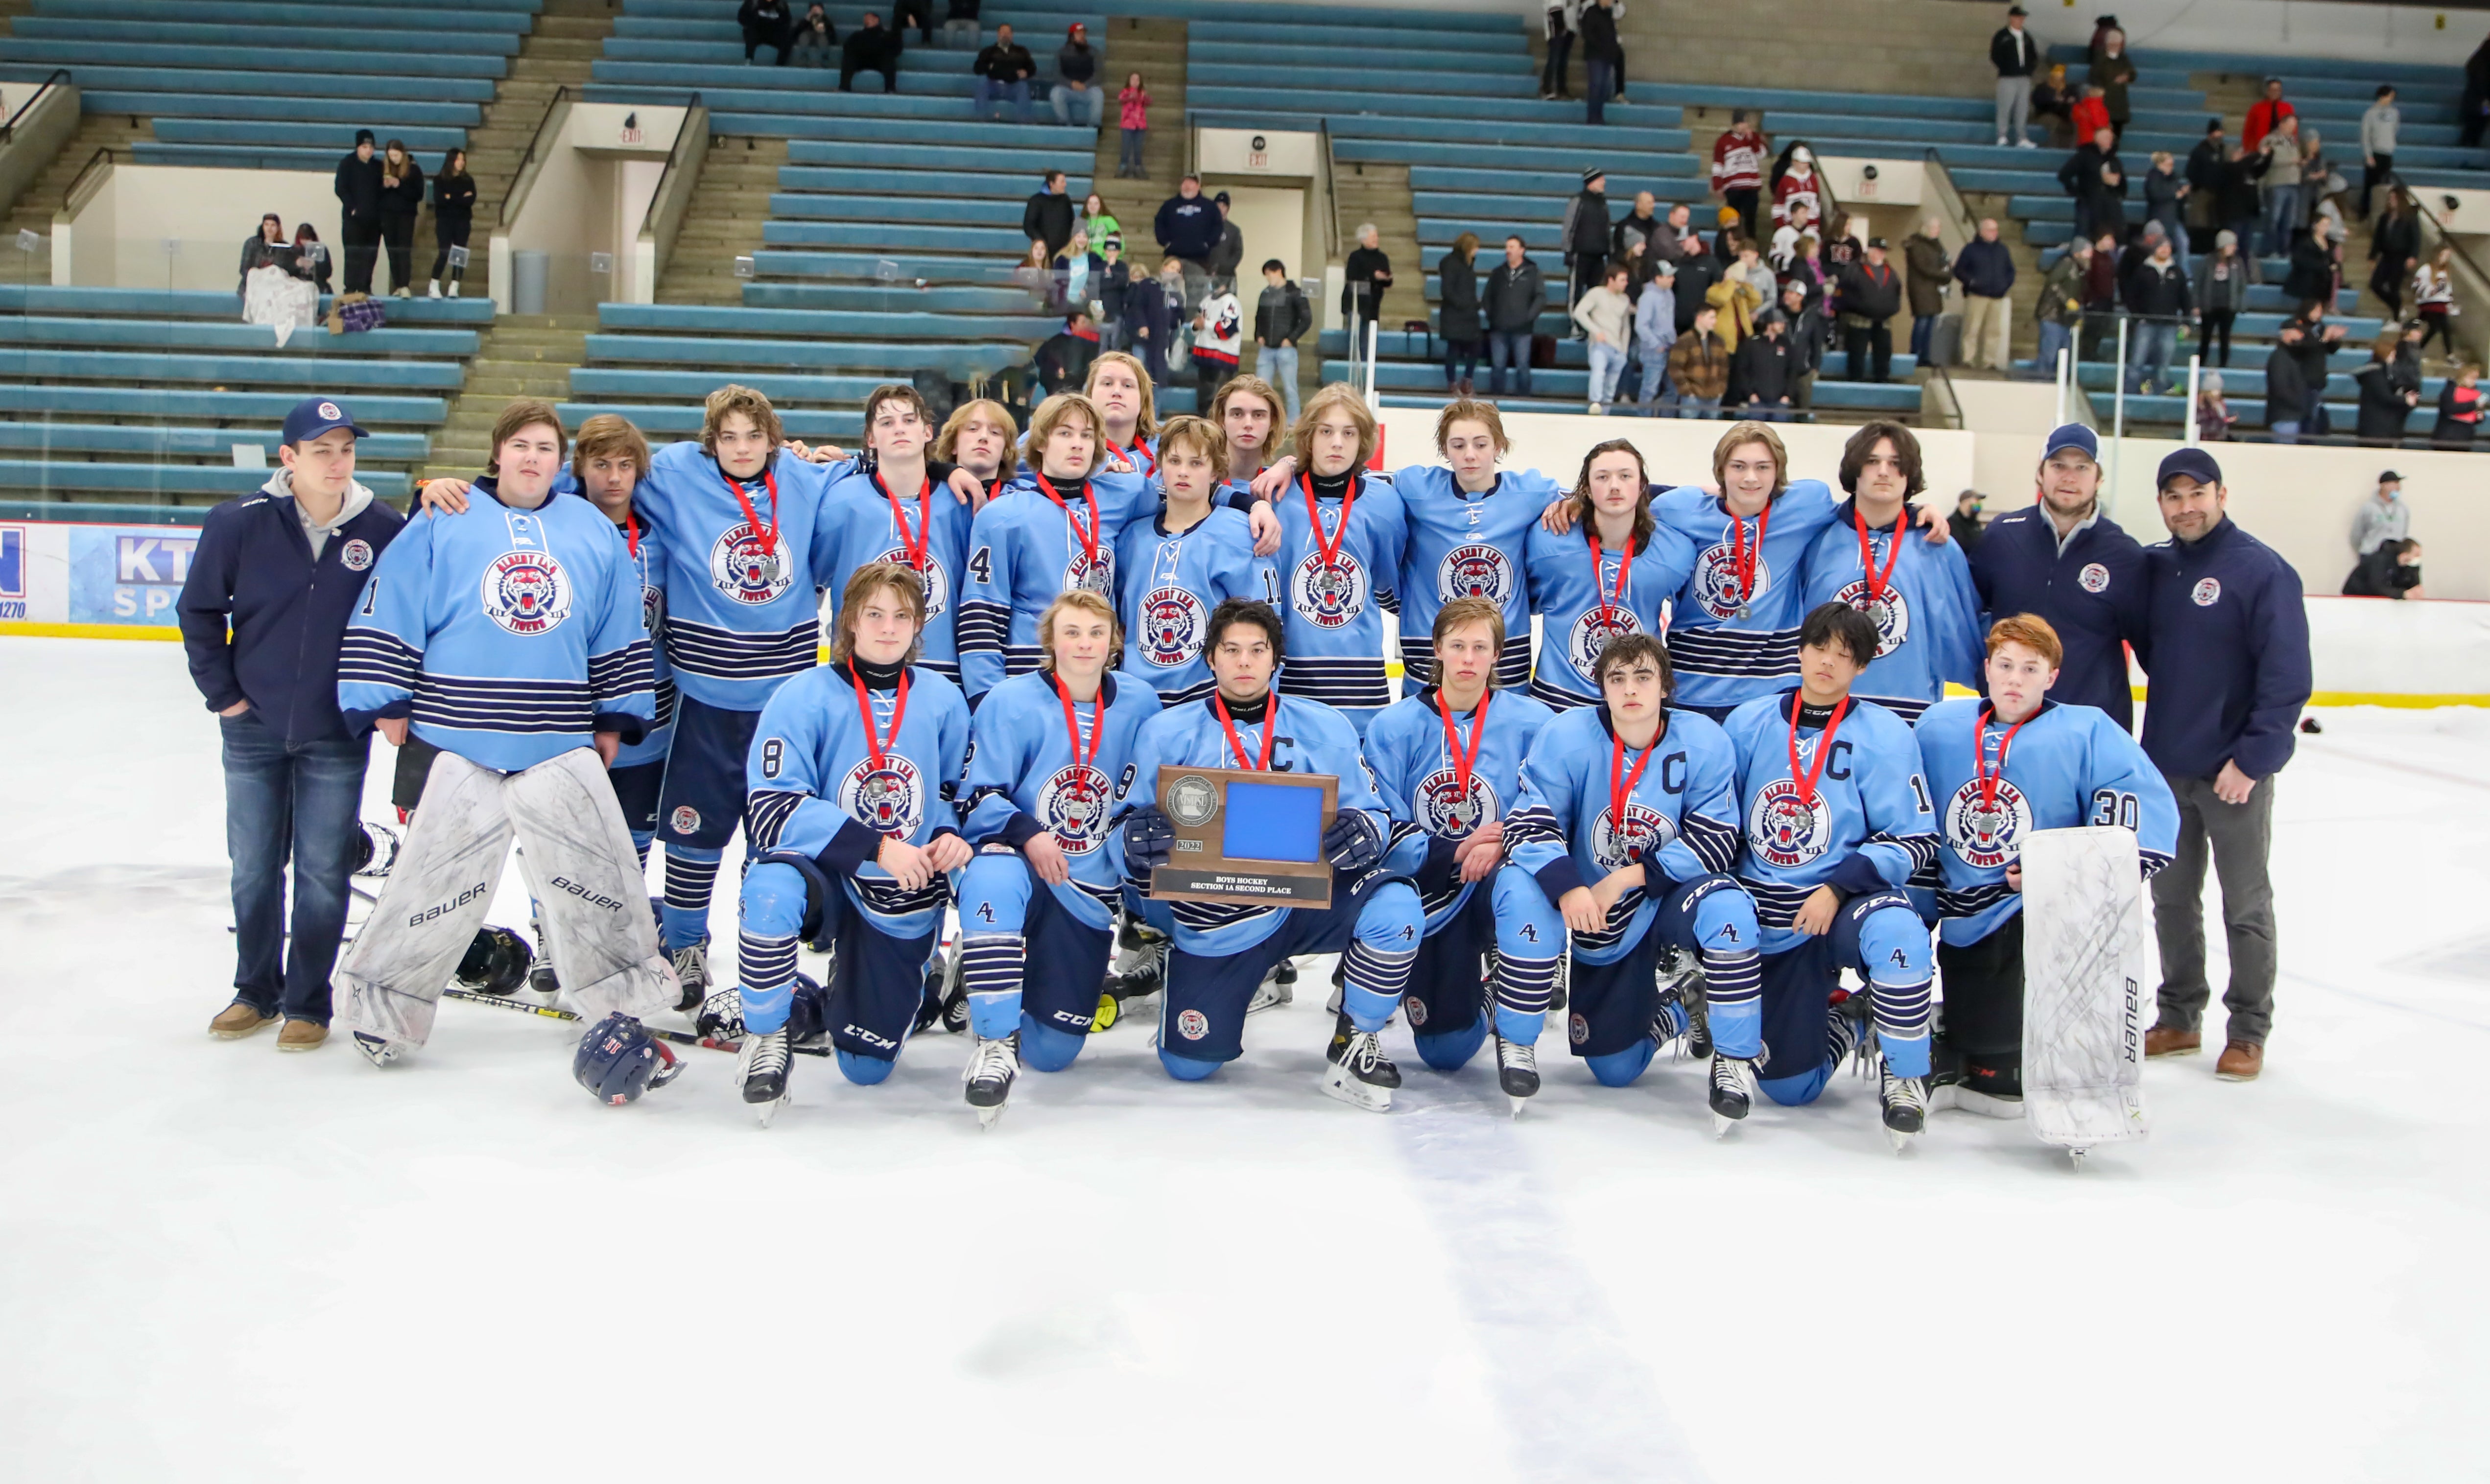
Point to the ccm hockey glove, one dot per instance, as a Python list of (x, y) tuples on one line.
[(1353, 843), (1148, 839)]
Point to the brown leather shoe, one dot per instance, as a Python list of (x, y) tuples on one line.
[(301, 1036), (2170, 1041), (238, 1020), (2240, 1061)]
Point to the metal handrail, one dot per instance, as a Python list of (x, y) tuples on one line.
[(79, 191), (553, 106), (1331, 193), (691, 106), (8, 130), (2480, 285)]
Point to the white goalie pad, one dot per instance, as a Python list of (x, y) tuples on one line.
[(589, 885), (434, 898), (2083, 986)]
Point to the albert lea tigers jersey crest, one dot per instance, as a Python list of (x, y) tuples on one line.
[(1591, 635), (1890, 613), (1074, 804), (1646, 831), (526, 593), (938, 583), (1330, 594), (1786, 827), (1475, 570), (1448, 810), (1984, 835), (746, 567), (1173, 621), (1717, 582), (889, 798)]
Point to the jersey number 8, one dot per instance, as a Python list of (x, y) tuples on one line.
[(773, 757)]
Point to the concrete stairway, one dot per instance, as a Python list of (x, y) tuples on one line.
[(1938, 47), (1374, 191), (730, 206), (522, 354), (1154, 48), (33, 211)]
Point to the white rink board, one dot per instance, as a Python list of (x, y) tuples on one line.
[(220, 1264)]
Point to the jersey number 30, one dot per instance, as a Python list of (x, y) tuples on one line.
[(2112, 807)]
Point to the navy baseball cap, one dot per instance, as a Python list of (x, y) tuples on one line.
[(319, 415), (2073, 435), (2196, 463)]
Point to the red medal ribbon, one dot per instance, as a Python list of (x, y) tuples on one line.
[(1989, 781), (1330, 549), (1744, 558), (1072, 724), (1140, 455), (1270, 728), (1090, 536), (1599, 587), (1806, 782), (1621, 783), (1877, 582), (632, 533), (916, 549), (874, 744), (1463, 764), (768, 534)]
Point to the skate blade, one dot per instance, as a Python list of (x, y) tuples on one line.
[(1722, 1123), (1338, 1083), (762, 1113), (1265, 999), (987, 1117), (1902, 1141), (1517, 1104), (1966, 1100)]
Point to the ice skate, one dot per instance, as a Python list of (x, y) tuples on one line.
[(1905, 1104), (691, 969), (1517, 1071), (1359, 1074), (765, 1074), (1279, 987), (1682, 1005), (540, 975), (1139, 972), (378, 1050), (720, 1016), (1733, 1092), (1850, 1034), (989, 1074)]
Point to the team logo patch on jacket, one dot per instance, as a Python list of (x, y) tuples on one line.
[(526, 593), (2207, 592), (747, 569), (356, 555), (2093, 578)]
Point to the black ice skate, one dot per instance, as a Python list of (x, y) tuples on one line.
[(1905, 1104), (989, 1075), (1517, 1071), (765, 1073), (691, 969), (540, 975), (1733, 1092), (379, 1049), (1140, 971), (1279, 987), (1359, 1074), (1682, 1015)]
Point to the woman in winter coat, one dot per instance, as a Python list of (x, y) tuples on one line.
[(2395, 247), (266, 248), (1457, 319), (2164, 190), (401, 199), (2222, 293), (2384, 405), (1147, 325), (2113, 74), (453, 216)]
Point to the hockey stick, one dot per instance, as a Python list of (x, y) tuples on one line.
[(679, 1038)]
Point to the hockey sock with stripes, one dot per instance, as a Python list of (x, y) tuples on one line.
[(691, 875), (1733, 996), (1375, 982), (990, 969), (1524, 987)]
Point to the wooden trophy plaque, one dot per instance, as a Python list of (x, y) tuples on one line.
[(1246, 838)]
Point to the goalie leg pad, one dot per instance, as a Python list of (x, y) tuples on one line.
[(432, 902), (595, 900)]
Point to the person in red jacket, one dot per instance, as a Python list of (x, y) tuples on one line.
[(2091, 113), (2265, 115), (1738, 165)]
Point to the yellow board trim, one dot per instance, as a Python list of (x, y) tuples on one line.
[(91, 631)]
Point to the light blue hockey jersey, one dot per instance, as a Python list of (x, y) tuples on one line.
[(2069, 766), (1465, 546), (742, 610), (1025, 550), (1310, 738), (863, 529), (1420, 780), (1170, 582), (1731, 639), (647, 551), (1682, 813), (1333, 619), (1927, 623), (813, 787), (1575, 624), (1868, 826), (1024, 781), (508, 635)]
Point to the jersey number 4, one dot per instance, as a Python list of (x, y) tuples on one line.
[(981, 567)]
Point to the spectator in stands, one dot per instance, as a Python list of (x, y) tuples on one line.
[(1806, 268), (765, 23), (1188, 230), (1516, 294), (2383, 516), (2384, 404), (1603, 56), (1668, 239), (263, 615), (2265, 115), (2093, 177), (1004, 72), (1229, 255), (1698, 367), (1147, 325), (1756, 289), (1871, 295), (1639, 226), (1786, 235), (2394, 249), (2434, 297), (453, 219), (1282, 317), (1368, 274), (2238, 207), (1985, 270), (1078, 66), (1963, 525), (2165, 197), (1035, 274), (1927, 269), (1099, 223), (1805, 318), (2205, 180), (2318, 181), (1738, 165), (1795, 184), (1562, 18), (2089, 114), (1047, 219), (1604, 312), (2014, 54), (816, 38), (2114, 72), (1114, 281), (2053, 106), (1654, 326), (2321, 334), (401, 202), (2473, 111), (2283, 213), (961, 19), (2061, 306), (312, 254), (1063, 361), (1078, 273), (2459, 408), (1218, 338), (359, 217), (2158, 294), (1696, 273), (1133, 113), (2288, 396), (874, 48), (1586, 235), (921, 11), (1456, 314), (1840, 248), (2392, 570), (278, 287), (2314, 265), (2100, 298), (266, 247), (2378, 127), (2222, 293), (2214, 415), (1759, 373)]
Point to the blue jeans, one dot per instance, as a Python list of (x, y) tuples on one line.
[(1504, 345), (1128, 155), (1697, 407), (1655, 373), (1278, 365), (1603, 75), (1606, 361), (1460, 361), (989, 91), (2150, 347), (1065, 100), (283, 799), (2284, 433), (2281, 218), (2054, 338), (1921, 327)]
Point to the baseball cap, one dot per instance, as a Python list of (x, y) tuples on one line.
[(316, 415), (2389, 477), (2196, 463), (2077, 436)]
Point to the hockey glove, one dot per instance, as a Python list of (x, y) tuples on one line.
[(1351, 842), (1148, 839)]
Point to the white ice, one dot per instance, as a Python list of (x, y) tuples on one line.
[(220, 1263)]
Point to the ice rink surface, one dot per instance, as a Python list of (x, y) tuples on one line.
[(220, 1263)]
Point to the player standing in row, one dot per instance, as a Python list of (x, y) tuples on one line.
[(1052, 749), (1343, 532), (1918, 594), (1182, 562), (1444, 766), (1626, 828), (1838, 822), (1608, 575), (2001, 768), (893, 512), (511, 639), (1469, 526), (1120, 387), (854, 772), (1247, 410), (981, 440), (1221, 951)]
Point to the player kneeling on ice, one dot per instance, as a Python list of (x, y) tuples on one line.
[(510, 637), (1053, 750), (1838, 822), (2002, 768), (1222, 950), (1623, 834), (1448, 759), (852, 775)]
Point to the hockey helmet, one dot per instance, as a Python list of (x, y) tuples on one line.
[(615, 1059), (376, 848), (496, 963)]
